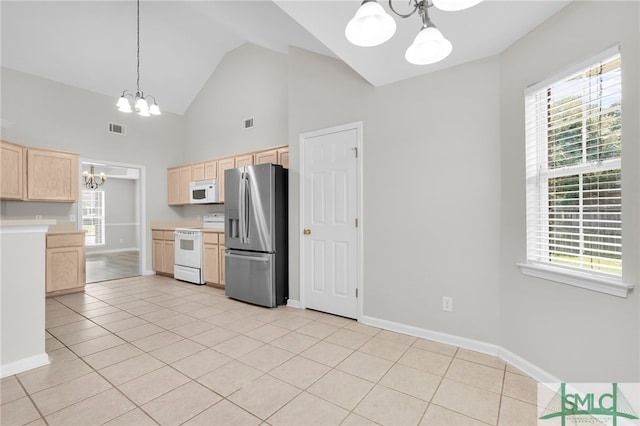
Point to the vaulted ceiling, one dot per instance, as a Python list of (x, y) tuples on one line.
[(92, 44)]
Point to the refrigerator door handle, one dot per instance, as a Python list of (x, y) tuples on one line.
[(256, 258), (241, 207)]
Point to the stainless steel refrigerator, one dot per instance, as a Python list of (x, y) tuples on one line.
[(256, 234)]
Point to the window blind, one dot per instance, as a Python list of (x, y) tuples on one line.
[(573, 169)]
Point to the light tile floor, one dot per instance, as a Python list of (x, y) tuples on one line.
[(151, 350)]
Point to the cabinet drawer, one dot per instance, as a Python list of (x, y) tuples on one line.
[(169, 236), (221, 239), (209, 238), (157, 235), (65, 240)]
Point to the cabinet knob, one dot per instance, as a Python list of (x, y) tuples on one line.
[(306, 231)]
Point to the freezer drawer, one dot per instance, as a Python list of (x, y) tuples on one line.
[(251, 277)]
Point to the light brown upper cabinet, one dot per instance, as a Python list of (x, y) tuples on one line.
[(11, 171), (283, 157), (266, 157), (224, 164), (197, 171), (36, 174), (178, 180), (52, 175), (211, 170), (244, 160)]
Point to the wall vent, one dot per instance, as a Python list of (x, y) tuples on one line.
[(247, 123), (119, 129)]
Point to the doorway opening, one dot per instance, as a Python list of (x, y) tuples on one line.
[(112, 215)]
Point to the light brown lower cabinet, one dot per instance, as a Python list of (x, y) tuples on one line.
[(65, 264), (163, 252), (213, 258)]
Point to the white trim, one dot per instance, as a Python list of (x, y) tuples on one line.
[(602, 284), (358, 127), (292, 303), (525, 366), (149, 272), (23, 364), (141, 186), (121, 224)]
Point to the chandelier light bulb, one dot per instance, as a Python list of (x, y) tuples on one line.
[(429, 47), (370, 26), (141, 105), (154, 109), (455, 5)]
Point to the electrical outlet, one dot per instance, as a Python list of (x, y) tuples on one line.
[(447, 303), (72, 218), (38, 217)]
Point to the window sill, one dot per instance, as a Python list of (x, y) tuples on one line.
[(602, 284)]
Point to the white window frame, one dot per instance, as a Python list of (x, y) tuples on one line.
[(101, 217), (536, 188)]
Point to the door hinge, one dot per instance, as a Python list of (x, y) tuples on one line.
[(356, 293), (355, 150), (356, 222)]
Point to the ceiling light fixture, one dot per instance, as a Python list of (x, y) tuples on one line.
[(372, 26), (128, 101), (91, 181)]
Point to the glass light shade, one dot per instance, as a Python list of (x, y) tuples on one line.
[(125, 108), (144, 112), (85, 173), (141, 104), (123, 102), (154, 109), (429, 47), (103, 176), (370, 26), (454, 5)]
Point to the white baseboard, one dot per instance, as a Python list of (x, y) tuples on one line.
[(292, 303), (149, 272), (24, 364), (475, 345)]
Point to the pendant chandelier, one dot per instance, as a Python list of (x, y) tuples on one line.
[(373, 26), (128, 100), (91, 181)]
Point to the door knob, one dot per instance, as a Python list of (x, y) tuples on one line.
[(306, 231)]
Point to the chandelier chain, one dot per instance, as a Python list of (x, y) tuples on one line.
[(138, 52)]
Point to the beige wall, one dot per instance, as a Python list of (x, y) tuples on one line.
[(576, 334)]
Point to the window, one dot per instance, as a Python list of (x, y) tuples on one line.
[(93, 217), (573, 169)]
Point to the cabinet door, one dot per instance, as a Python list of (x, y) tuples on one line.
[(157, 262), (11, 171), (224, 164), (65, 268), (185, 181), (173, 186), (52, 175), (198, 171), (283, 157), (169, 256), (211, 170), (244, 160), (210, 262), (266, 157)]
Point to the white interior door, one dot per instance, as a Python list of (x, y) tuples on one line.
[(330, 257)]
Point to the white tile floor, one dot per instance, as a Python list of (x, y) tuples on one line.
[(152, 350)]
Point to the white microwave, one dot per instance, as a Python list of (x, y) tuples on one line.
[(203, 191)]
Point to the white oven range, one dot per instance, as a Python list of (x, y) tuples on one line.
[(188, 255)]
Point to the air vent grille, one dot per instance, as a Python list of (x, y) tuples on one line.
[(247, 123), (119, 129)]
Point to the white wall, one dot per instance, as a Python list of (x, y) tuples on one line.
[(121, 215), (575, 334), (431, 158), (249, 82), (53, 115)]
